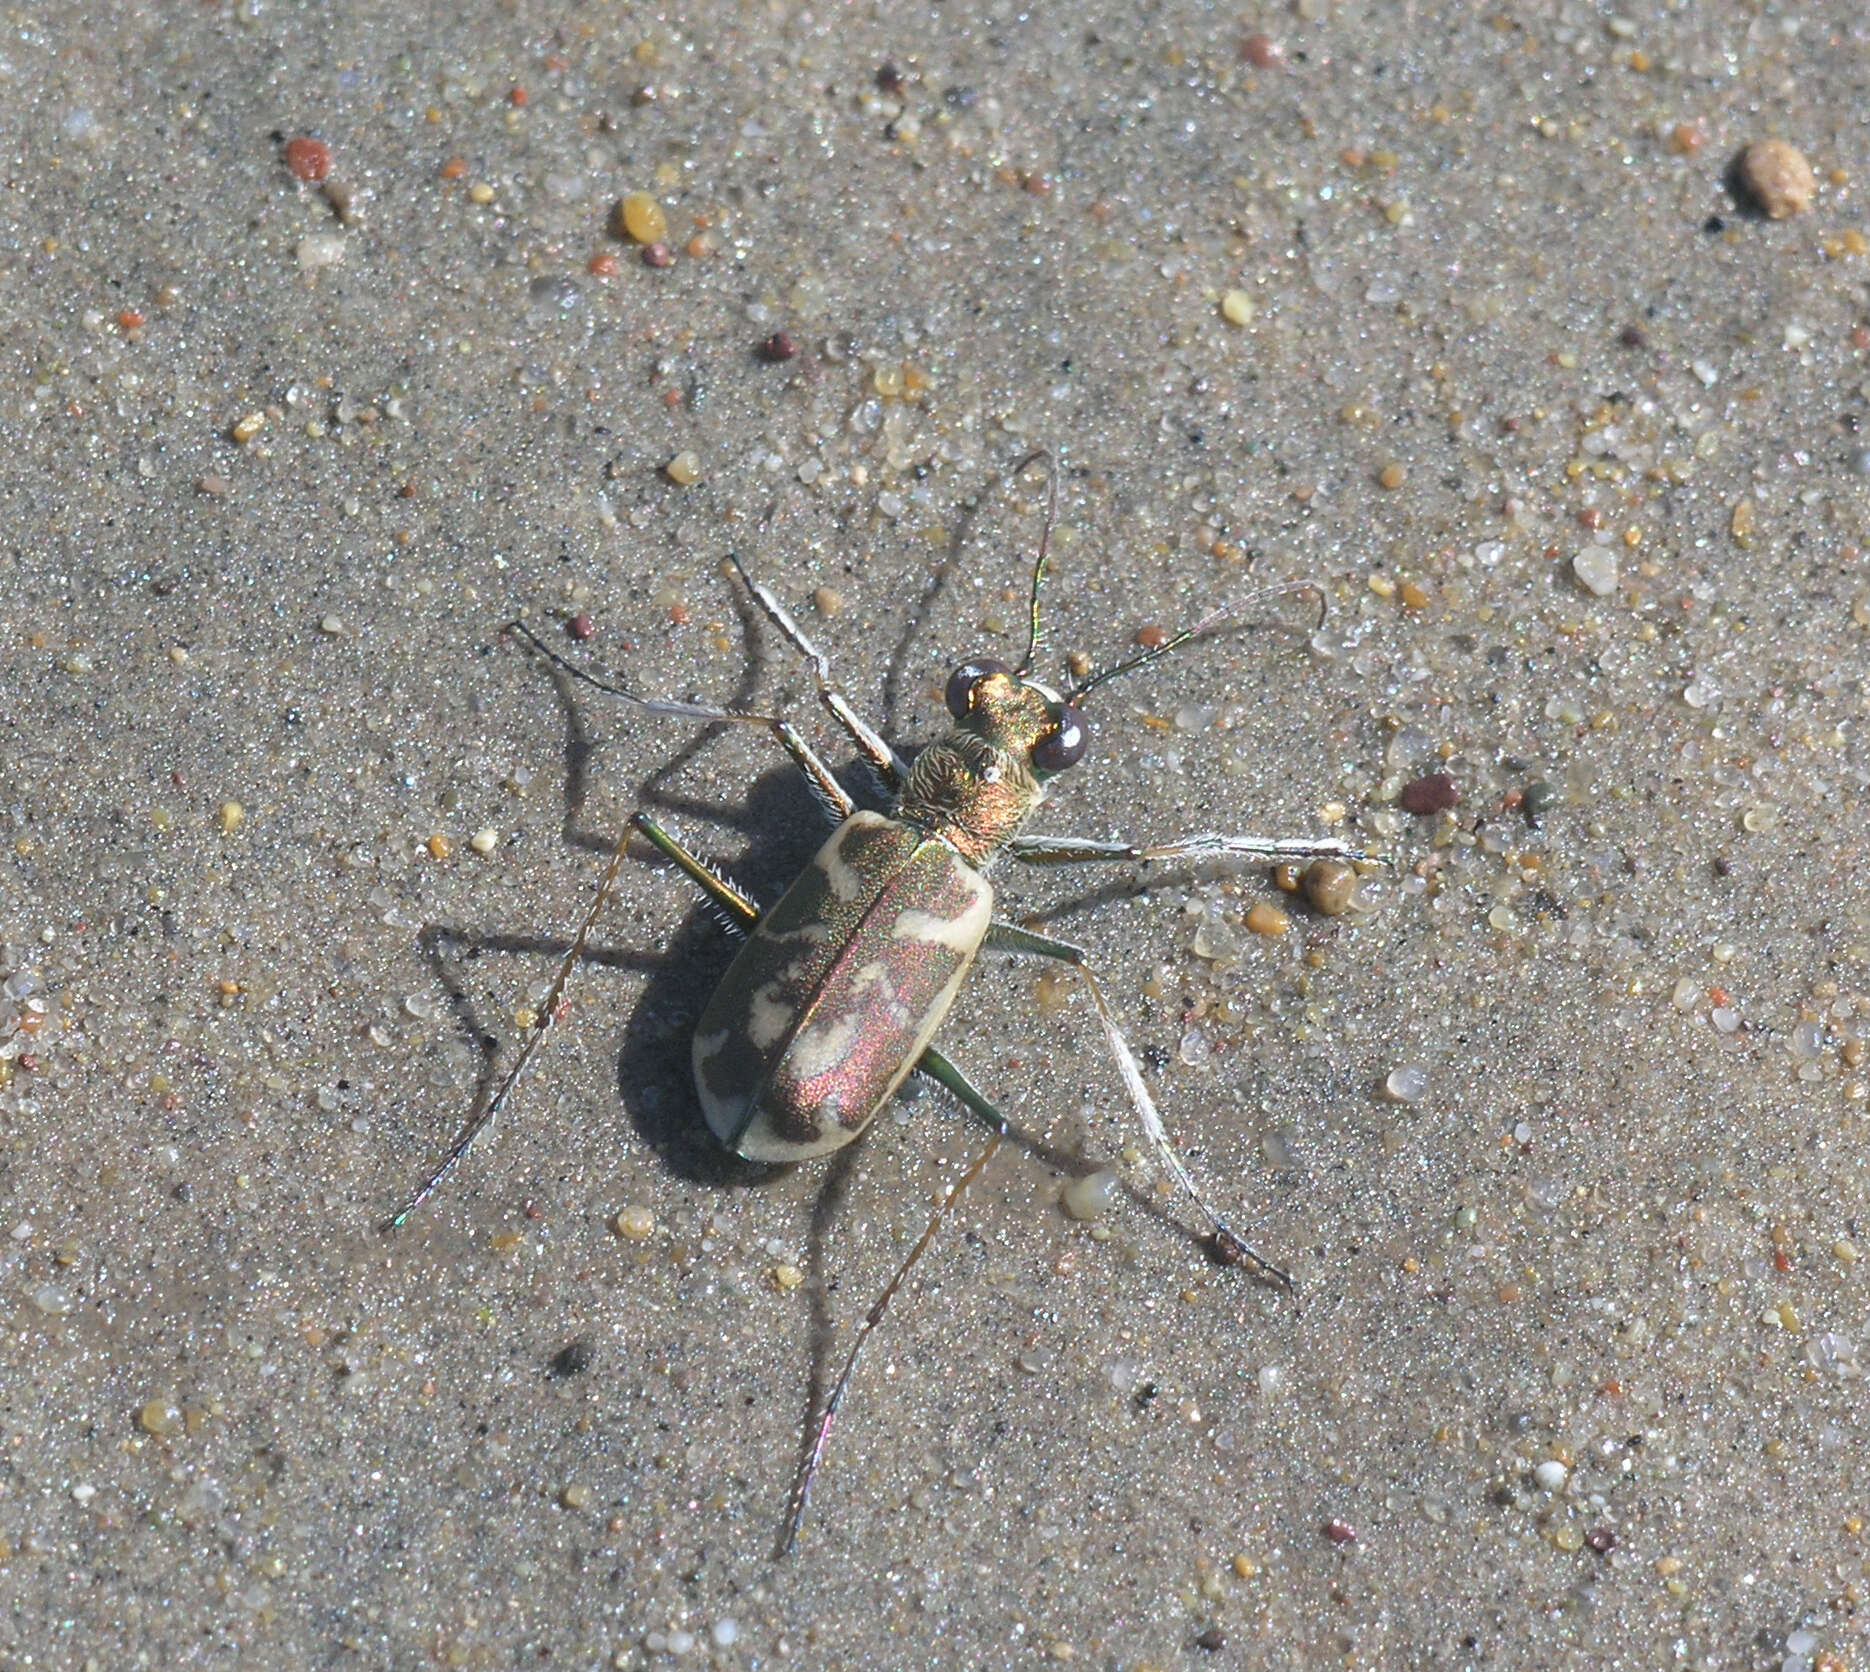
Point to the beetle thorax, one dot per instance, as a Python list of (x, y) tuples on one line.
[(971, 793), (977, 786)]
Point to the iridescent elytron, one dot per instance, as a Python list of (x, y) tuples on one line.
[(834, 998)]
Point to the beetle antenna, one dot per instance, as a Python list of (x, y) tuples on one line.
[(1201, 629), (1045, 541), (821, 1430)]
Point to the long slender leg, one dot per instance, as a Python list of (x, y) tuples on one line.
[(944, 1073), (821, 1430), (887, 764), (828, 790), (545, 1016), (1229, 1245), (1079, 850), (735, 906), (741, 912)]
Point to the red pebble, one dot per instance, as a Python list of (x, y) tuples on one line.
[(580, 627), (1263, 52), (308, 159), (658, 255), (1434, 794), (1340, 1532), (779, 346)]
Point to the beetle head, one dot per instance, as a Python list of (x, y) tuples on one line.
[(1014, 713)]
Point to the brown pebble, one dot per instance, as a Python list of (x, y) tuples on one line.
[(779, 346), (1152, 637), (309, 159), (1286, 877), (580, 627), (1602, 1540), (827, 600), (1329, 885), (1391, 477), (1340, 1532), (1434, 794), (1263, 52), (1268, 920), (658, 255), (1776, 177)]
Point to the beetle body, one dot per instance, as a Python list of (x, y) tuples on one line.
[(828, 1005), (830, 1001)]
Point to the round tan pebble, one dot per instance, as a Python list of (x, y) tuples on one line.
[(1264, 919), (159, 1416), (1777, 178), (635, 1224), (1329, 885), (827, 600), (683, 470), (484, 841), (641, 219), (1392, 476), (1238, 308)]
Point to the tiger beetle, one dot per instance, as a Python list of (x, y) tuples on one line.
[(836, 993)]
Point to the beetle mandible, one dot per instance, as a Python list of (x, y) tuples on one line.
[(836, 993)]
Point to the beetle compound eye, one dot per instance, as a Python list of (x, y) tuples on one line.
[(962, 681), (1062, 747)]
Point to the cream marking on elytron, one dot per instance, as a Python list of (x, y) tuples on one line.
[(839, 987)]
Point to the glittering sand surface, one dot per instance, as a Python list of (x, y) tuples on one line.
[(1449, 309)]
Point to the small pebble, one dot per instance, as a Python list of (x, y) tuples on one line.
[(575, 1497), (1602, 1540), (1266, 919), (785, 1278), (635, 1223), (439, 846), (580, 627), (1551, 1475), (658, 255), (1596, 569), (484, 841), (1340, 1532), (1407, 1084), (230, 816), (1776, 177), (308, 159), (331, 625), (640, 218), (1263, 52), (245, 429), (1537, 799), (1329, 886), (1092, 1196), (1238, 308), (1392, 476), (827, 600), (1435, 793), (1152, 637), (683, 470), (725, 1632), (158, 1416), (779, 346)]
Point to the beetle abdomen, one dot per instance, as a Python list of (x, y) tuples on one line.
[(831, 1000)]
